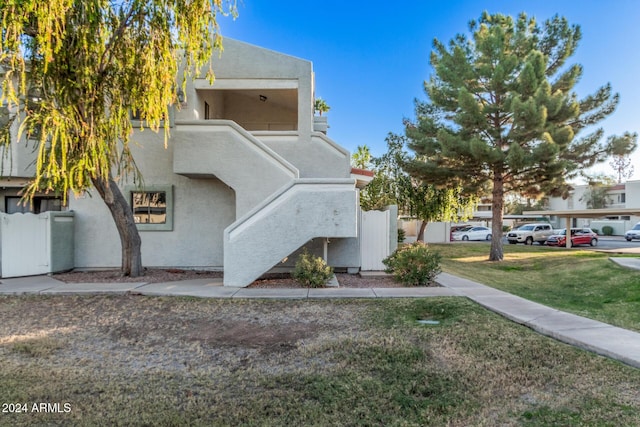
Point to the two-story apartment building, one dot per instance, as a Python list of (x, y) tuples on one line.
[(245, 181), (621, 210)]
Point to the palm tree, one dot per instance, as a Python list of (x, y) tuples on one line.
[(321, 106), (361, 158)]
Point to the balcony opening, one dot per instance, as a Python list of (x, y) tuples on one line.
[(253, 109)]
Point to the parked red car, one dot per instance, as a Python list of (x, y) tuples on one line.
[(579, 236)]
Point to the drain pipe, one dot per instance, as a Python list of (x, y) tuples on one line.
[(325, 245)]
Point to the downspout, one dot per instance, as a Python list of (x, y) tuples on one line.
[(325, 248)]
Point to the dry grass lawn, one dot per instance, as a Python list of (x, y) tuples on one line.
[(132, 360)]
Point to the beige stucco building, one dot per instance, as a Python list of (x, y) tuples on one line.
[(249, 177)]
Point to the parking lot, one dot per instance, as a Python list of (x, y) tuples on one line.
[(616, 244)]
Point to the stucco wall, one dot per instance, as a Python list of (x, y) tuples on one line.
[(18, 159), (343, 254), (213, 181), (203, 205), (315, 157), (632, 194), (202, 209), (631, 191)]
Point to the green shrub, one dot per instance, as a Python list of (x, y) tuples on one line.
[(414, 264), (401, 235), (607, 230), (311, 271), (595, 230)]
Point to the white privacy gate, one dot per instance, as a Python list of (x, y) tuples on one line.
[(25, 242), (374, 239), (36, 244)]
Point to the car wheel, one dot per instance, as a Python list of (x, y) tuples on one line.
[(628, 239), (594, 242), (465, 237), (529, 241), (488, 236)]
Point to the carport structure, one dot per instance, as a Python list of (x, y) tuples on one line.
[(584, 213)]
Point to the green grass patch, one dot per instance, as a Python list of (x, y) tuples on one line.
[(37, 347), (583, 282)]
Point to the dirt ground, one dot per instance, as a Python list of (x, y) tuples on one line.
[(101, 323), (139, 333), (170, 275), (121, 320)]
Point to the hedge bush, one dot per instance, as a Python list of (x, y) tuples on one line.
[(311, 271), (607, 230), (414, 264)]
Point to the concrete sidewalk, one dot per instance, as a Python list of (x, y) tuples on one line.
[(601, 338), (206, 288), (598, 337), (632, 263)]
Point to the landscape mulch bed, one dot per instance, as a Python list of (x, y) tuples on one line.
[(153, 275)]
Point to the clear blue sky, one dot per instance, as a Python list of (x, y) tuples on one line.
[(372, 57)]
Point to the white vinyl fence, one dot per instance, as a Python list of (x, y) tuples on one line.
[(378, 238), (36, 244)]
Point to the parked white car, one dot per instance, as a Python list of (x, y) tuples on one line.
[(472, 233), (634, 233)]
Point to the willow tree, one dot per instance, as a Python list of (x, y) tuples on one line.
[(75, 71), (502, 114)]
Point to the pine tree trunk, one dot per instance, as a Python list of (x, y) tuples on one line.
[(423, 227), (497, 204), (123, 218)]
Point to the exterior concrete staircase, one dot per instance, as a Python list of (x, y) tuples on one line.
[(276, 212), (223, 149), (300, 211)]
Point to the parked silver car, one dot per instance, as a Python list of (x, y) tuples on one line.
[(634, 233), (530, 233)]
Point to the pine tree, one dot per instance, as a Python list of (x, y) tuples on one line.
[(501, 114)]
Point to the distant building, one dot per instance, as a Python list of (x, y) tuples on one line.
[(621, 212)]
